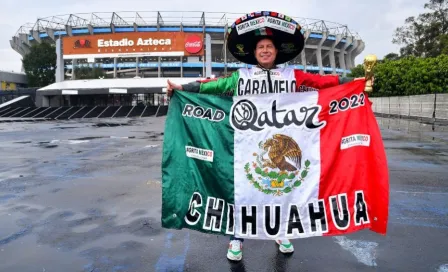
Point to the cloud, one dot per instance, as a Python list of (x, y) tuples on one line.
[(374, 21)]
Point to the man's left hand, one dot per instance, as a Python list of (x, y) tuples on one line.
[(361, 78)]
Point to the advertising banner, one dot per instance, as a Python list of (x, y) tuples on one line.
[(133, 44)]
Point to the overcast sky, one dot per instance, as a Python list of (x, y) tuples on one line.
[(375, 21)]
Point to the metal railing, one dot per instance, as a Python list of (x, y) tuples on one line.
[(165, 18)]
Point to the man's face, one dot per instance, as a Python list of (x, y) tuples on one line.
[(265, 53)]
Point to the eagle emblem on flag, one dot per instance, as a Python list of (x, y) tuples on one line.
[(281, 171), (281, 147)]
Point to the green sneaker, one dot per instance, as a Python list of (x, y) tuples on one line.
[(235, 251), (285, 246)]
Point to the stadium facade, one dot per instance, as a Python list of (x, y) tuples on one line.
[(138, 51), (174, 44)]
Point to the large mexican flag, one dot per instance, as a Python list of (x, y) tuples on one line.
[(275, 165)]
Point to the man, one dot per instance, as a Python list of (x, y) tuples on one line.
[(265, 52), (264, 47)]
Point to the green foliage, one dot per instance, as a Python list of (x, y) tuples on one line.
[(391, 56), (411, 76), (40, 65), (426, 34), (422, 66), (357, 71), (89, 73)]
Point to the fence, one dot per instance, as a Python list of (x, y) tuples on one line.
[(5, 96), (432, 106)]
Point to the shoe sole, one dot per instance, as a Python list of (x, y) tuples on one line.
[(284, 249), (234, 257)]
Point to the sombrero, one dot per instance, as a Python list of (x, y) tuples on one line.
[(246, 31)]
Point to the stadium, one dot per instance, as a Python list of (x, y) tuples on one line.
[(330, 47), (137, 51)]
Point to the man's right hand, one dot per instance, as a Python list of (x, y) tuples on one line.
[(172, 86)]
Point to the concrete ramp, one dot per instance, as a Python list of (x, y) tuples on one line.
[(21, 101)]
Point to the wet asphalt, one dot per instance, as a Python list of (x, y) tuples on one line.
[(86, 196)]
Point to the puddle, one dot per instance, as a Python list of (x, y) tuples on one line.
[(5, 198), (47, 145), (151, 146), (102, 137), (77, 142), (116, 137), (88, 138), (153, 135), (64, 127), (110, 124), (84, 228), (416, 130)]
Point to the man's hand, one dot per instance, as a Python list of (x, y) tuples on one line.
[(172, 86), (361, 78)]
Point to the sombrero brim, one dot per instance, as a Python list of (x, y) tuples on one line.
[(244, 34)]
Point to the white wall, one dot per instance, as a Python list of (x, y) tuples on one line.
[(426, 106)]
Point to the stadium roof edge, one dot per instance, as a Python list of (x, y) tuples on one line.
[(105, 19)]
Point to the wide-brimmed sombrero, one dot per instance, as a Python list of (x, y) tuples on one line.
[(244, 34)]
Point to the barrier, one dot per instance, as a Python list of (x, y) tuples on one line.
[(428, 106), (380, 105), (404, 103), (394, 105), (441, 111), (385, 105)]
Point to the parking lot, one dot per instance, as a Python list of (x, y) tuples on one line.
[(86, 196)]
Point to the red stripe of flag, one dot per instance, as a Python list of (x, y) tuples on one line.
[(365, 166)]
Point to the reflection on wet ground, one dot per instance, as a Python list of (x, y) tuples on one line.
[(86, 196), (415, 129)]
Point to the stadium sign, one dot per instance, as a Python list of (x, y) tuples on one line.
[(127, 42), (133, 44)]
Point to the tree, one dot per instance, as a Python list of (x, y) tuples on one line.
[(411, 76), (391, 56), (89, 73), (40, 64), (427, 34), (357, 71)]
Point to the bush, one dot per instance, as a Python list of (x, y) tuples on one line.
[(411, 76)]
